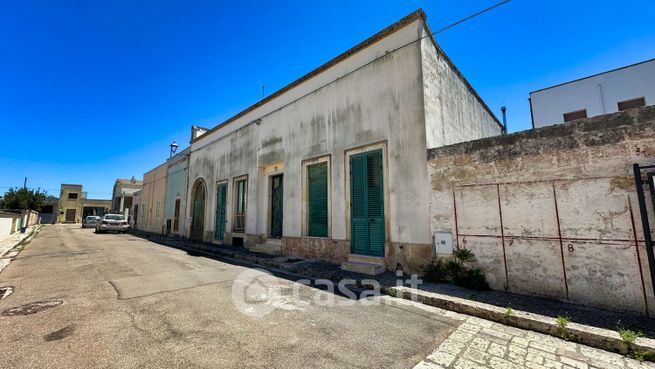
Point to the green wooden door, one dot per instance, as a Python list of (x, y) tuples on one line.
[(367, 233), (198, 221), (221, 202), (277, 195)]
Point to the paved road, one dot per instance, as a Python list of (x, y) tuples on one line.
[(131, 303)]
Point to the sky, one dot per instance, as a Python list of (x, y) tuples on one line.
[(91, 91)]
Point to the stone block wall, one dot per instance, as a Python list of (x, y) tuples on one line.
[(553, 212)]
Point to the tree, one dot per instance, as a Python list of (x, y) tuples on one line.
[(23, 198)]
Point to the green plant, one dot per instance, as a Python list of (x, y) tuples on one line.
[(435, 272), (562, 323), (471, 278), (23, 198), (508, 313), (454, 270), (464, 255), (629, 337)]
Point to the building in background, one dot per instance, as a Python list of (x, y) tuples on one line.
[(136, 218), (74, 205), (176, 190), (620, 89), (49, 212), (153, 199), (122, 195)]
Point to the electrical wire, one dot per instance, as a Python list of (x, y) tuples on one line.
[(367, 64)]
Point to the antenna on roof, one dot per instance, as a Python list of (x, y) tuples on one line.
[(262, 92)]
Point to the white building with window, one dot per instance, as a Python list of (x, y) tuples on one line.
[(334, 165), (608, 92)]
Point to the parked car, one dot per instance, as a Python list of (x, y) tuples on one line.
[(112, 222), (90, 221)]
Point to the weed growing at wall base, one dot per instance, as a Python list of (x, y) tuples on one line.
[(563, 323), (629, 337), (508, 313), (456, 271)]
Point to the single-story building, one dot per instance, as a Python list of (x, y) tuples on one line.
[(334, 165)]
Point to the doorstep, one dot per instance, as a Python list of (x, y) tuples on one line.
[(362, 268), (266, 248)]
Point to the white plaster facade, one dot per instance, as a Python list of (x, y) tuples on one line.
[(598, 94), (395, 91)]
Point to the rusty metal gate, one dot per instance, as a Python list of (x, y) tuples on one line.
[(645, 175)]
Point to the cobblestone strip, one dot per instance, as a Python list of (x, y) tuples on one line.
[(479, 343)]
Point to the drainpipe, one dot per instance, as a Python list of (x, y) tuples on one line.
[(531, 112), (503, 109), (602, 97)]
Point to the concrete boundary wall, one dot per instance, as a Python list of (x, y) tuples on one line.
[(553, 212)]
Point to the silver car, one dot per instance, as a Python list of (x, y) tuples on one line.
[(91, 221), (112, 222)]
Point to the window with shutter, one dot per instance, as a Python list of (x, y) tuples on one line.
[(317, 200), (239, 224)]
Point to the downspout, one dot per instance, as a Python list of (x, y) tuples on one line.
[(531, 112), (602, 98), (187, 212)]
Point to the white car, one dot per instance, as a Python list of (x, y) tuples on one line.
[(112, 222), (91, 221)]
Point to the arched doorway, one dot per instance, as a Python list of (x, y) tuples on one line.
[(198, 211)]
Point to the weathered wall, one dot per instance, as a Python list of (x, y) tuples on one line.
[(373, 98), (176, 186), (453, 111), (553, 211), (153, 198), (379, 103)]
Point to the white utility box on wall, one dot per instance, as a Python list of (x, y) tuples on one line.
[(443, 243)]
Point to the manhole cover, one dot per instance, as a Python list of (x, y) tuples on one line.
[(31, 308), (5, 292)]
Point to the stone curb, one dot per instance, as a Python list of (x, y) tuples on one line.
[(604, 339), (25, 237), (8, 255), (591, 336)]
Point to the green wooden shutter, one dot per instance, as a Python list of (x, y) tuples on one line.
[(317, 200), (221, 194), (197, 225), (358, 205), (375, 202)]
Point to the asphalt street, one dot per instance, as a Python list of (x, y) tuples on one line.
[(130, 303)]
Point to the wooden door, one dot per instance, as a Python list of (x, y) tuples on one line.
[(367, 231)]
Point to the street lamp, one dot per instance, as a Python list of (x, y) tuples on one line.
[(174, 147)]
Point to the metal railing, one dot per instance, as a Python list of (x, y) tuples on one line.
[(239, 223)]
